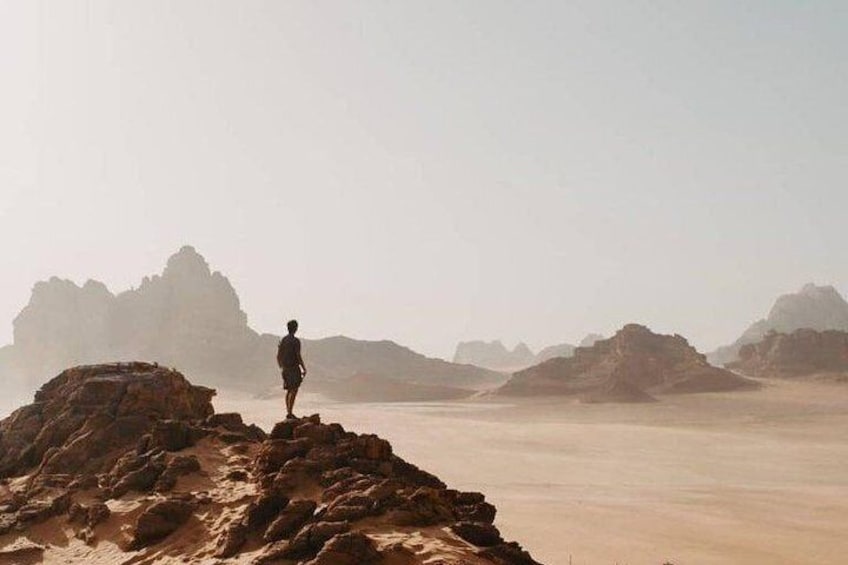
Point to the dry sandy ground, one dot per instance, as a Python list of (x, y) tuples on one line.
[(733, 478)]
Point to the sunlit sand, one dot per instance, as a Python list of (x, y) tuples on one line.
[(753, 477)]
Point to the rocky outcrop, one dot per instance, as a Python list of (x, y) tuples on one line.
[(81, 419), (802, 353), (164, 479), (189, 317), (813, 307), (631, 366)]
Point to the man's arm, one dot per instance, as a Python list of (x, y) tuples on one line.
[(300, 360), (280, 355)]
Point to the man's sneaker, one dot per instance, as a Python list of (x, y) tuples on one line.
[(291, 417)]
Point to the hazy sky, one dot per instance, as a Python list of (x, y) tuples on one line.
[(433, 171)]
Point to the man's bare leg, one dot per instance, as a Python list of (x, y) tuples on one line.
[(293, 398), (289, 402), (291, 395)]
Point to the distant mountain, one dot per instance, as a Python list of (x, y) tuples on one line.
[(15, 390), (802, 353), (190, 318), (629, 367), (493, 355), (565, 349), (339, 357), (813, 307), (561, 350), (590, 340)]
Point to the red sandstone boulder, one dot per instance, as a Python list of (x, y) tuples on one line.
[(352, 548), (159, 521), (290, 520)]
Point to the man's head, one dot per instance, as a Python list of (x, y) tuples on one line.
[(292, 326)]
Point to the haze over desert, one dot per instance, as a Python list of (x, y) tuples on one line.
[(466, 282)]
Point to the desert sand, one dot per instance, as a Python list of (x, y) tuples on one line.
[(721, 478)]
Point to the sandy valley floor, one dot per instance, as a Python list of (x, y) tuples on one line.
[(755, 477)]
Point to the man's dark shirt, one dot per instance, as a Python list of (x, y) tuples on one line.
[(288, 353)]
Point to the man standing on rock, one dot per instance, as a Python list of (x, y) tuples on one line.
[(291, 363)]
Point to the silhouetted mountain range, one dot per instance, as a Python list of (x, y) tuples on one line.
[(494, 355), (813, 307), (190, 318)]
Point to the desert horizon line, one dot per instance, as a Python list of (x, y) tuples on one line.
[(509, 345)]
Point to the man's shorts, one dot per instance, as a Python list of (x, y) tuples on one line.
[(292, 378)]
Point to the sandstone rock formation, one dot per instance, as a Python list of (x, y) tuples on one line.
[(92, 411), (128, 463), (629, 367), (802, 353), (813, 307), (190, 318)]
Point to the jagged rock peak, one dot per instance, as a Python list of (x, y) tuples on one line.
[(55, 288), (187, 263), (187, 317), (812, 307), (493, 354)]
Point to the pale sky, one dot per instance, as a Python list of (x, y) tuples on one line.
[(430, 172)]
